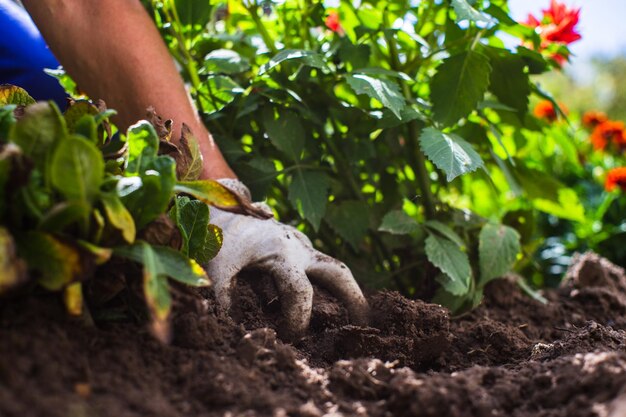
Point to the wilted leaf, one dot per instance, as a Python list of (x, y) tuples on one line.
[(12, 94), (12, 268), (453, 262), (57, 263), (118, 216), (77, 169), (310, 58), (459, 84), (76, 110), (225, 61), (213, 193), (449, 152), (189, 164), (286, 133), (398, 222), (308, 193), (350, 219), (162, 231), (163, 127), (385, 91), (498, 246)]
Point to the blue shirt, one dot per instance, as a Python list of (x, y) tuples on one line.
[(24, 55)]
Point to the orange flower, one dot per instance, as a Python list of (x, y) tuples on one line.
[(558, 25), (616, 178), (333, 23), (609, 132), (594, 118)]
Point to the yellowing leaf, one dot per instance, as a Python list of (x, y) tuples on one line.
[(57, 263), (119, 216), (12, 268), (12, 94), (73, 299)]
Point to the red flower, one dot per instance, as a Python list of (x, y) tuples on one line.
[(332, 22), (609, 132), (558, 25), (594, 118), (616, 178), (545, 110)]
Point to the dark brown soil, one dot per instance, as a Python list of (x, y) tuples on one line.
[(510, 357)]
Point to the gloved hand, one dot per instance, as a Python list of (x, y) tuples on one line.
[(285, 253)]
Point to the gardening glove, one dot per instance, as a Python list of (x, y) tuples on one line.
[(285, 253)]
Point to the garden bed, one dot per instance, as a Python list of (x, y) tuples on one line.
[(512, 356)]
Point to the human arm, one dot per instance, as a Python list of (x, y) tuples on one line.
[(114, 52)]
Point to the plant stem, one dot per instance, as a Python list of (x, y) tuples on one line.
[(253, 9)]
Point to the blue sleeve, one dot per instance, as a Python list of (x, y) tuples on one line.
[(24, 55)]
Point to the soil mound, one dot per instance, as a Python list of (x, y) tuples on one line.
[(512, 356)]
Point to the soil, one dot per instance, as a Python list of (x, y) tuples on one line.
[(512, 356)]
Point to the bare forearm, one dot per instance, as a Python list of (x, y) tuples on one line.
[(114, 52)]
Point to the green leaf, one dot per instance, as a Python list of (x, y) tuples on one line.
[(56, 263), (148, 195), (286, 133), (64, 214), (12, 268), (7, 120), (192, 219), (389, 119), (308, 193), (217, 92), (509, 81), (225, 61), (454, 263), (212, 244), (498, 246), (459, 84), (385, 91), (119, 216), (38, 132), (310, 58), (445, 231), (449, 152), (76, 111), (397, 222), (350, 219), (143, 145), (464, 11), (194, 12), (568, 206), (12, 94), (166, 262), (77, 169)]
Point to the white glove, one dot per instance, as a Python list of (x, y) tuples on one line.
[(285, 253)]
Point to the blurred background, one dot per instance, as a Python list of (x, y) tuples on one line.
[(595, 78)]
